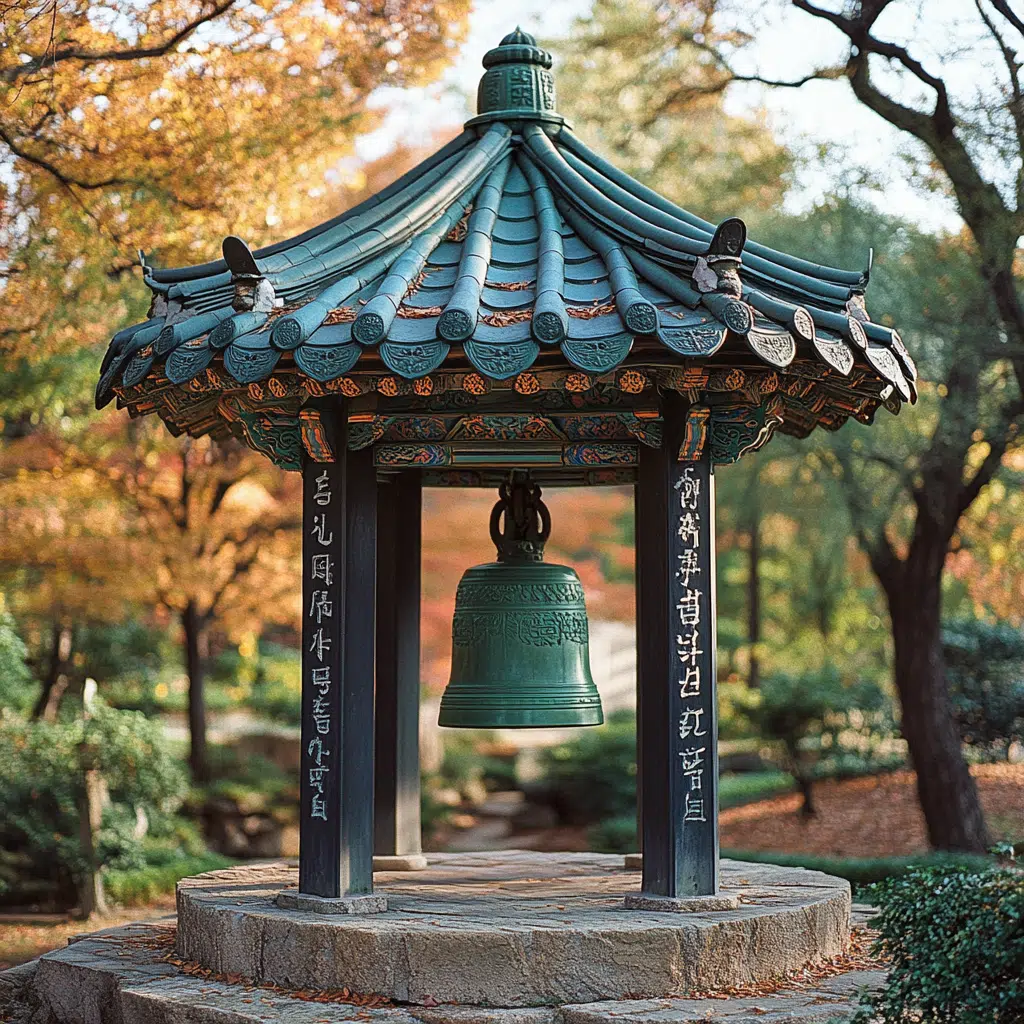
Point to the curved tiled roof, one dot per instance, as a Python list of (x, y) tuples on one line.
[(515, 246)]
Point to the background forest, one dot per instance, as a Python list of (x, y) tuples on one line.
[(871, 582)]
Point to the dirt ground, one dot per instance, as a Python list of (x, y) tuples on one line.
[(25, 936), (871, 817)]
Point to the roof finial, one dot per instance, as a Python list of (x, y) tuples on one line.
[(518, 38), (518, 85)]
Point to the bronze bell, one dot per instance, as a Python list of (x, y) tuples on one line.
[(520, 654)]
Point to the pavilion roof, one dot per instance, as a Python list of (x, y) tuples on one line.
[(512, 250)]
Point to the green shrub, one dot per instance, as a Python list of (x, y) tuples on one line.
[(276, 684), (41, 778), (16, 688), (135, 664), (733, 721), (614, 835), (247, 777), (815, 717), (469, 763), (956, 942), (985, 670), (138, 886), (592, 778)]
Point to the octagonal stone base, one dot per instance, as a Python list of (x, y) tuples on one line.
[(513, 929)]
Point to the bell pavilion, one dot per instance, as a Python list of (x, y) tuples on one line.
[(512, 313)]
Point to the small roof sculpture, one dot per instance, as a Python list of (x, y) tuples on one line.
[(514, 260)]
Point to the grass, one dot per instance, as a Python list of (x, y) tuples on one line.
[(861, 871), (737, 789), (143, 885)]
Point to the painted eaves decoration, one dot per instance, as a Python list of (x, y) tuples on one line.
[(513, 262)]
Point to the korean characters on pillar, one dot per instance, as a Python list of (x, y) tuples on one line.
[(321, 611), (692, 614)]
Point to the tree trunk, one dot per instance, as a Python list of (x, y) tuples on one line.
[(198, 760), (945, 788), (754, 597), (803, 773), (92, 901), (805, 783), (56, 681)]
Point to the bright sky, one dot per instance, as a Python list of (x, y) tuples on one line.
[(787, 44)]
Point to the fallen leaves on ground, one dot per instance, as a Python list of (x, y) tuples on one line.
[(876, 816), (23, 939)]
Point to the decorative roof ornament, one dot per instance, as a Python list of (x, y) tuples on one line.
[(518, 84), (514, 259), (253, 292)]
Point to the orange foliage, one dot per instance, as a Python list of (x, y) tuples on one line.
[(99, 530), (166, 125)]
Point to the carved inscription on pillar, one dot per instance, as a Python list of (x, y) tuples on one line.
[(694, 720), (693, 732), (323, 570)]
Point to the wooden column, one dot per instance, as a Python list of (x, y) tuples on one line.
[(397, 755), (677, 723), (339, 556)]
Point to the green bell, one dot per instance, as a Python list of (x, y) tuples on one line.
[(520, 655)]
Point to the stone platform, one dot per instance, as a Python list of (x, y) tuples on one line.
[(129, 976), (513, 929)]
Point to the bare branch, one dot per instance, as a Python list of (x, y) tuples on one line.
[(818, 75), (1004, 9), (63, 178), (884, 561), (53, 56), (858, 31), (1016, 107)]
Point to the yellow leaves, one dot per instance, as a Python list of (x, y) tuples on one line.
[(170, 152)]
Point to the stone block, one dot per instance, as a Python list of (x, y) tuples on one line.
[(484, 1015), (292, 899), (124, 977), (680, 905)]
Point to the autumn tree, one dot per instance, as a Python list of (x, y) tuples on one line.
[(910, 482), (161, 127), (223, 532), (206, 533), (165, 126), (968, 143)]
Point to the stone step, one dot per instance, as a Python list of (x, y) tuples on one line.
[(130, 975)]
